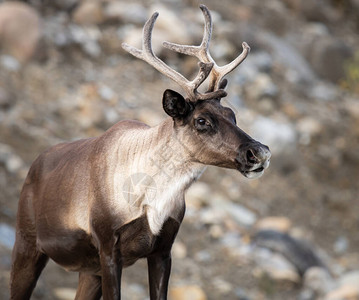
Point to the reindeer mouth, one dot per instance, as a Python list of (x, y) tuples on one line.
[(258, 170), (255, 172)]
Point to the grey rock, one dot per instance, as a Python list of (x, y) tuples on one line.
[(255, 63), (66, 4), (288, 56), (327, 56), (10, 63), (55, 29), (179, 250), (11, 160), (88, 13), (240, 214), (275, 265), (19, 30), (350, 279), (224, 287), (106, 92), (64, 293), (231, 240), (298, 252), (203, 255), (241, 294), (323, 91), (307, 295), (308, 128), (210, 215), (263, 61), (341, 245), (344, 292), (126, 12), (318, 281), (4, 98), (87, 38), (92, 48), (318, 11), (262, 87), (221, 209), (7, 235), (279, 136)]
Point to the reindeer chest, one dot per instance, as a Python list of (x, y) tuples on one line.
[(158, 198), (136, 240)]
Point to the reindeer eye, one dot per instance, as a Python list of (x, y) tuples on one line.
[(202, 124)]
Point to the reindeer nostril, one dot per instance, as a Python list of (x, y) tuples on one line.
[(251, 158)]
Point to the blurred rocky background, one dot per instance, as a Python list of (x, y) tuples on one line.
[(292, 234)]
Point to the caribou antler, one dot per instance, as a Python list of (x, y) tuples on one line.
[(190, 87), (202, 53)]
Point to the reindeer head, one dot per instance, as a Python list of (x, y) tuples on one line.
[(205, 129)]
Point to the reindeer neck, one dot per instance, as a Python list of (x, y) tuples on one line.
[(155, 160)]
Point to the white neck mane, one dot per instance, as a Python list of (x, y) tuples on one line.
[(154, 174)]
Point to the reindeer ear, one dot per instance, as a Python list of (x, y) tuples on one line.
[(175, 105)]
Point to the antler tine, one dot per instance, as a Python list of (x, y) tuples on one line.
[(149, 56), (202, 52)]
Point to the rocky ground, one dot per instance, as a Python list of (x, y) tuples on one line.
[(293, 233)]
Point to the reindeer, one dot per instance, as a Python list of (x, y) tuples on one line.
[(82, 204)]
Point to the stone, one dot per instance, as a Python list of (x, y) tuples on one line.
[(220, 209), (126, 12), (324, 91), (350, 278), (136, 291), (11, 160), (203, 256), (281, 224), (211, 216), (63, 293), (307, 128), (187, 292), (222, 286), (300, 253), (231, 240), (19, 30), (341, 245), (327, 56), (10, 63), (280, 136), (179, 250), (263, 61), (7, 236), (198, 195), (240, 214), (87, 38), (318, 280), (346, 292), (106, 93), (216, 231), (275, 265), (5, 100), (65, 4), (84, 106), (88, 13), (262, 87), (285, 54), (318, 11)]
